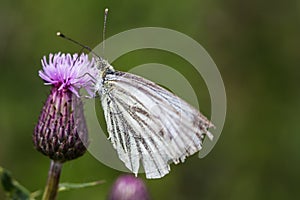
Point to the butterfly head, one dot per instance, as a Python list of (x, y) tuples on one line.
[(103, 68)]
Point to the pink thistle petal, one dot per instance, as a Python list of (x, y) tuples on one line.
[(69, 72)]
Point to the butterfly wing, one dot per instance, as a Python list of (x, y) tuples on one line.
[(148, 123)]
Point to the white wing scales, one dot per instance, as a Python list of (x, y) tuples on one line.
[(148, 123)]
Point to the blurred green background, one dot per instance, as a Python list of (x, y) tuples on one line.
[(256, 46)]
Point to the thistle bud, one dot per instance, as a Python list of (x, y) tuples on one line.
[(129, 187), (61, 132)]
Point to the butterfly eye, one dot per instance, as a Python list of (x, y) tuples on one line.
[(109, 71)]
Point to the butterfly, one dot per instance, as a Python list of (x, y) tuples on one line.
[(146, 123)]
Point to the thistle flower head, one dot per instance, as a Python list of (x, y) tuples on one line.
[(69, 72), (128, 187), (61, 131)]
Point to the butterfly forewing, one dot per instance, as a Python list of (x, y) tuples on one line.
[(148, 123)]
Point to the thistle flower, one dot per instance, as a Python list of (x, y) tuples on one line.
[(65, 72), (61, 131), (129, 187)]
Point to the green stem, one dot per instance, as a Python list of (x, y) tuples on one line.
[(53, 181)]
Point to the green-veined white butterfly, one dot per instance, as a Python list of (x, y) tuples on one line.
[(147, 123)]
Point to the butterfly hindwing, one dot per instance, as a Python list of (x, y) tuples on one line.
[(148, 123)]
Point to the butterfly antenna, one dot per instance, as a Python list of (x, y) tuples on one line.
[(78, 43), (104, 27)]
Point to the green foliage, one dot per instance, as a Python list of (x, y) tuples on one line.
[(72, 186), (13, 189)]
